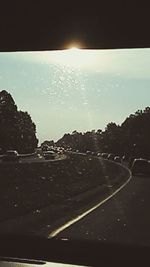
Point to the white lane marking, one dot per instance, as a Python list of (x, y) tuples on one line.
[(79, 217)]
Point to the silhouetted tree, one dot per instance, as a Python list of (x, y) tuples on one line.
[(48, 143), (17, 131), (131, 138), (111, 139), (136, 133)]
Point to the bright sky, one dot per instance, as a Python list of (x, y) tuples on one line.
[(77, 89)]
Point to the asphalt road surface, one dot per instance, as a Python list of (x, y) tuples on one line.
[(40, 158), (125, 218), (36, 159)]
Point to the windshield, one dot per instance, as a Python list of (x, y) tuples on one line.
[(90, 110)]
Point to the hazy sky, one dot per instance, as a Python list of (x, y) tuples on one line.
[(77, 89)]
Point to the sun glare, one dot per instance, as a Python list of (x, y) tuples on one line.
[(74, 48), (76, 57), (73, 57)]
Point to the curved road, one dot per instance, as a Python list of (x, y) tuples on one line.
[(125, 218)]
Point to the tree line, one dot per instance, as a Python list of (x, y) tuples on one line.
[(131, 138)]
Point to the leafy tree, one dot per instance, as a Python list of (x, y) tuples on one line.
[(136, 132), (112, 138), (17, 131), (48, 143)]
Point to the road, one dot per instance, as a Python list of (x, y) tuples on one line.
[(36, 159), (125, 218), (41, 159)]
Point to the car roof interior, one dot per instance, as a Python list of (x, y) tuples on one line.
[(52, 25)]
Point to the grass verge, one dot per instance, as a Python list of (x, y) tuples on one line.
[(55, 189)]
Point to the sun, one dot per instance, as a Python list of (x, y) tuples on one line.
[(74, 48)]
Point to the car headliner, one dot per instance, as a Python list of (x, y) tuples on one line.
[(48, 25)]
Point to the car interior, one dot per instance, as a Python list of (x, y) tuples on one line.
[(51, 26)]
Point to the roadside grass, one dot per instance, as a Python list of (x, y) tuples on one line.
[(30, 186)]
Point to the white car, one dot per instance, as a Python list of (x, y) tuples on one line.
[(117, 159)]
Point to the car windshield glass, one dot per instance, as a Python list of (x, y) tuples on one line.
[(72, 123)]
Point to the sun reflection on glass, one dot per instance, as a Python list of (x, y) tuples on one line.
[(74, 48)]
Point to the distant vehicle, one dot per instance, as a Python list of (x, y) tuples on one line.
[(11, 155), (45, 148), (117, 159), (140, 167), (98, 154), (91, 153), (104, 155), (88, 152), (111, 156), (69, 149), (60, 151), (125, 160), (49, 155)]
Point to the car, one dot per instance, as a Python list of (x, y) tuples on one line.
[(45, 148), (111, 156), (104, 155), (11, 155), (88, 152), (125, 160), (60, 151), (117, 159), (140, 167), (49, 155)]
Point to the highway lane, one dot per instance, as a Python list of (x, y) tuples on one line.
[(35, 159), (125, 218), (41, 159)]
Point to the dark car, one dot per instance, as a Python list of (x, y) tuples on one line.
[(140, 167), (111, 156), (104, 155)]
